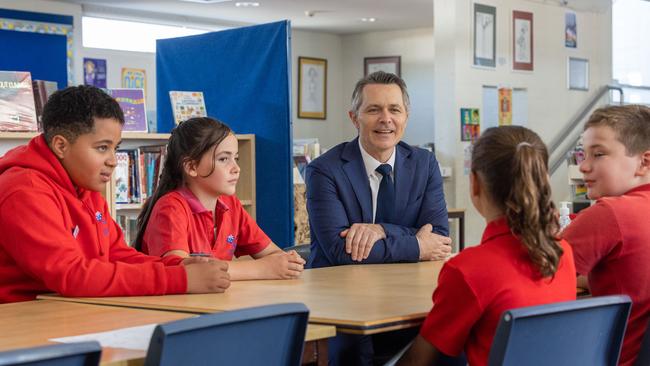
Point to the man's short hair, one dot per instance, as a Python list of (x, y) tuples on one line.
[(378, 77), (631, 123), (71, 112)]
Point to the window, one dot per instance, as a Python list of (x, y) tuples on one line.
[(631, 54), (128, 35)]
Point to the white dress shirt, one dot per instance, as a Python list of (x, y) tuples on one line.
[(374, 178)]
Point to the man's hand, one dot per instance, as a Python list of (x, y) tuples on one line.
[(432, 246), (360, 238)]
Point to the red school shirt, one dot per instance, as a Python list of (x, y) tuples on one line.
[(480, 283), (611, 242), (180, 222), (60, 238)]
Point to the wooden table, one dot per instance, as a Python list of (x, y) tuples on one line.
[(359, 299), (459, 213), (33, 323)]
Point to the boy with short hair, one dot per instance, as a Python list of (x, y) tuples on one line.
[(57, 233), (611, 239)]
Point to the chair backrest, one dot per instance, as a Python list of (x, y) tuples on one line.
[(644, 352), (583, 332), (69, 354), (265, 335), (303, 250)]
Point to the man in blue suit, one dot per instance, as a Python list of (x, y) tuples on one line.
[(344, 195), (375, 200)]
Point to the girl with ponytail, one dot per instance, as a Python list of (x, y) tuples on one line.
[(194, 211), (519, 262)]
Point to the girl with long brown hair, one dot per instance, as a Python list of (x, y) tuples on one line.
[(520, 261)]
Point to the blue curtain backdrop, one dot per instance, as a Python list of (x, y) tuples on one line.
[(44, 55), (245, 79)]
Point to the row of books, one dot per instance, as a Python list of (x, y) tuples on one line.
[(129, 226), (22, 100), (137, 173)]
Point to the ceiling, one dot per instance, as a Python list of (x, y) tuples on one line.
[(333, 16)]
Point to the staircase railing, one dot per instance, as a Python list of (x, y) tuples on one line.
[(558, 147)]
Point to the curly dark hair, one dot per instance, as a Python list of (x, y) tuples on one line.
[(71, 112), (512, 163)]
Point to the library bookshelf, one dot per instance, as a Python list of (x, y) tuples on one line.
[(245, 186)]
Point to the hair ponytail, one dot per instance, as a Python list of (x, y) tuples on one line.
[(512, 161), (188, 142)]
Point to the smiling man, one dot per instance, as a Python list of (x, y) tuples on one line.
[(375, 199)]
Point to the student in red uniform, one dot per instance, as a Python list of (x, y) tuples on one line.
[(194, 210), (520, 261), (611, 239), (57, 233)]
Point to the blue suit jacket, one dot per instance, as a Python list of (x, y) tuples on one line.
[(338, 195)]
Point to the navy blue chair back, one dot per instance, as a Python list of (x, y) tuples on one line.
[(583, 332), (70, 354), (265, 335), (644, 352)]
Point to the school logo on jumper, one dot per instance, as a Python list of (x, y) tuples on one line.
[(230, 239), (98, 216)]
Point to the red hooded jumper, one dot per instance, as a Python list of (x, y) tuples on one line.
[(58, 238)]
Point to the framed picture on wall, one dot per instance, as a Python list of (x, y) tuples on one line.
[(485, 44), (392, 64), (522, 40), (312, 88), (578, 73)]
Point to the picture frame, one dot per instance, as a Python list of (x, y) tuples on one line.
[(312, 88), (522, 41), (484, 36), (570, 30), (577, 73), (391, 64)]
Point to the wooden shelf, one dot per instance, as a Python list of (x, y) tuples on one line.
[(6, 135), (128, 206), (574, 174)]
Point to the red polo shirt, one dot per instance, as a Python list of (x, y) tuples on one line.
[(611, 241), (180, 222), (480, 283)]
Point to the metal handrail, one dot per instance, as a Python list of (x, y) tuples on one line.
[(570, 127)]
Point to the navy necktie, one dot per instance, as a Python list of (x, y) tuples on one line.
[(385, 196)]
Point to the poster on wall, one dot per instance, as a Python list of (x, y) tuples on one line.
[(570, 30), (134, 79), (485, 35), (522, 40), (470, 125), (505, 106), (95, 72)]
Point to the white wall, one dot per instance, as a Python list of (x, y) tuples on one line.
[(551, 105), (329, 47)]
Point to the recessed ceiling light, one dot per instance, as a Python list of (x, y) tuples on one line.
[(247, 4), (206, 1), (370, 20)]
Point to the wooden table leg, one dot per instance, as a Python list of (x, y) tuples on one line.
[(315, 353)]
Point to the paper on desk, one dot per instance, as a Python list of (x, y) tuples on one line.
[(136, 338)]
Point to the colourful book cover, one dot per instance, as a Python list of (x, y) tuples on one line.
[(17, 108), (95, 72), (187, 104), (43, 89), (133, 105), (122, 177)]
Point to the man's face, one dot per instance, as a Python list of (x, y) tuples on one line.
[(608, 170), (381, 119), (90, 159)]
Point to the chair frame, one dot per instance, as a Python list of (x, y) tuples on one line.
[(162, 331), (92, 350), (509, 318)]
